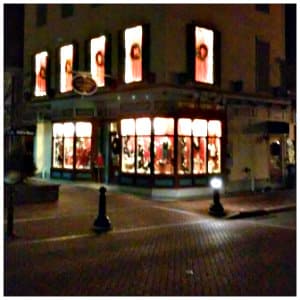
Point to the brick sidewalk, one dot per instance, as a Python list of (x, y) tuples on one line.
[(77, 208), (154, 248)]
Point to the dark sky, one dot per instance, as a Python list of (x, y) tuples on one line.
[(290, 33), (13, 35)]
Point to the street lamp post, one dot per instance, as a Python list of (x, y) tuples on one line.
[(216, 209)]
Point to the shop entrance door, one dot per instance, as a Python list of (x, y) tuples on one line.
[(275, 160), (114, 157)]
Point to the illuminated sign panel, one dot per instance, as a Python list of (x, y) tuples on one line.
[(98, 60), (133, 54), (40, 74), (204, 55), (66, 68)]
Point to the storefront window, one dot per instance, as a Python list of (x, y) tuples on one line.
[(204, 58), (214, 147), (199, 146), (143, 132), (68, 145), (163, 145), (98, 60), (83, 145), (40, 74), (128, 145), (184, 146), (63, 145), (128, 154), (66, 68), (58, 145), (133, 54)]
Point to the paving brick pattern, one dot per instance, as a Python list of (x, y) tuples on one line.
[(154, 249), (210, 258)]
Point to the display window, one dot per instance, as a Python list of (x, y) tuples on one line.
[(199, 129), (83, 145), (214, 146), (128, 154), (199, 155), (41, 60), (64, 135), (98, 60), (214, 128), (163, 145), (58, 145), (198, 144), (184, 146), (214, 155), (128, 145), (204, 56), (143, 154), (66, 68), (143, 157), (133, 54)]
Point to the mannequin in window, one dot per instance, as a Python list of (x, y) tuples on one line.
[(141, 157), (183, 151), (213, 160)]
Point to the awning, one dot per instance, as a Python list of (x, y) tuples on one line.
[(269, 127), (277, 127)]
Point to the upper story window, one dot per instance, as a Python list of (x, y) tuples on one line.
[(133, 54), (67, 10), (98, 60), (66, 68), (204, 55), (41, 64), (262, 66), (265, 8), (41, 14)]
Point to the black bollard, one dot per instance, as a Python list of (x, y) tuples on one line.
[(102, 222), (216, 209)]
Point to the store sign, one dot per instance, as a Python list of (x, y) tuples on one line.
[(84, 85)]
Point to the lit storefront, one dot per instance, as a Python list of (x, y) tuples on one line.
[(161, 151), (71, 149), (162, 147)]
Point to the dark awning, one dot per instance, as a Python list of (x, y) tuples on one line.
[(277, 127), (269, 127)]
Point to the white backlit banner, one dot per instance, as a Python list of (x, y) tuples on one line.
[(133, 54), (98, 60), (66, 68), (204, 56), (41, 74)]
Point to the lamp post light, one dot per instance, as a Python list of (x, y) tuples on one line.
[(216, 209)]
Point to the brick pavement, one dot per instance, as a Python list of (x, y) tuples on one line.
[(77, 208), (213, 258), (155, 248)]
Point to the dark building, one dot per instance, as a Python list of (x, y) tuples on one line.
[(175, 94)]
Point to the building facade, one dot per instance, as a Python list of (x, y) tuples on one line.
[(179, 93)]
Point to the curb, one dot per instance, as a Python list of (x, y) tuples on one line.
[(259, 212)]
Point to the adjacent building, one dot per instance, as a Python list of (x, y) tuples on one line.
[(160, 97)]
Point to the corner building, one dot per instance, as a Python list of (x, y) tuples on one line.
[(183, 93)]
